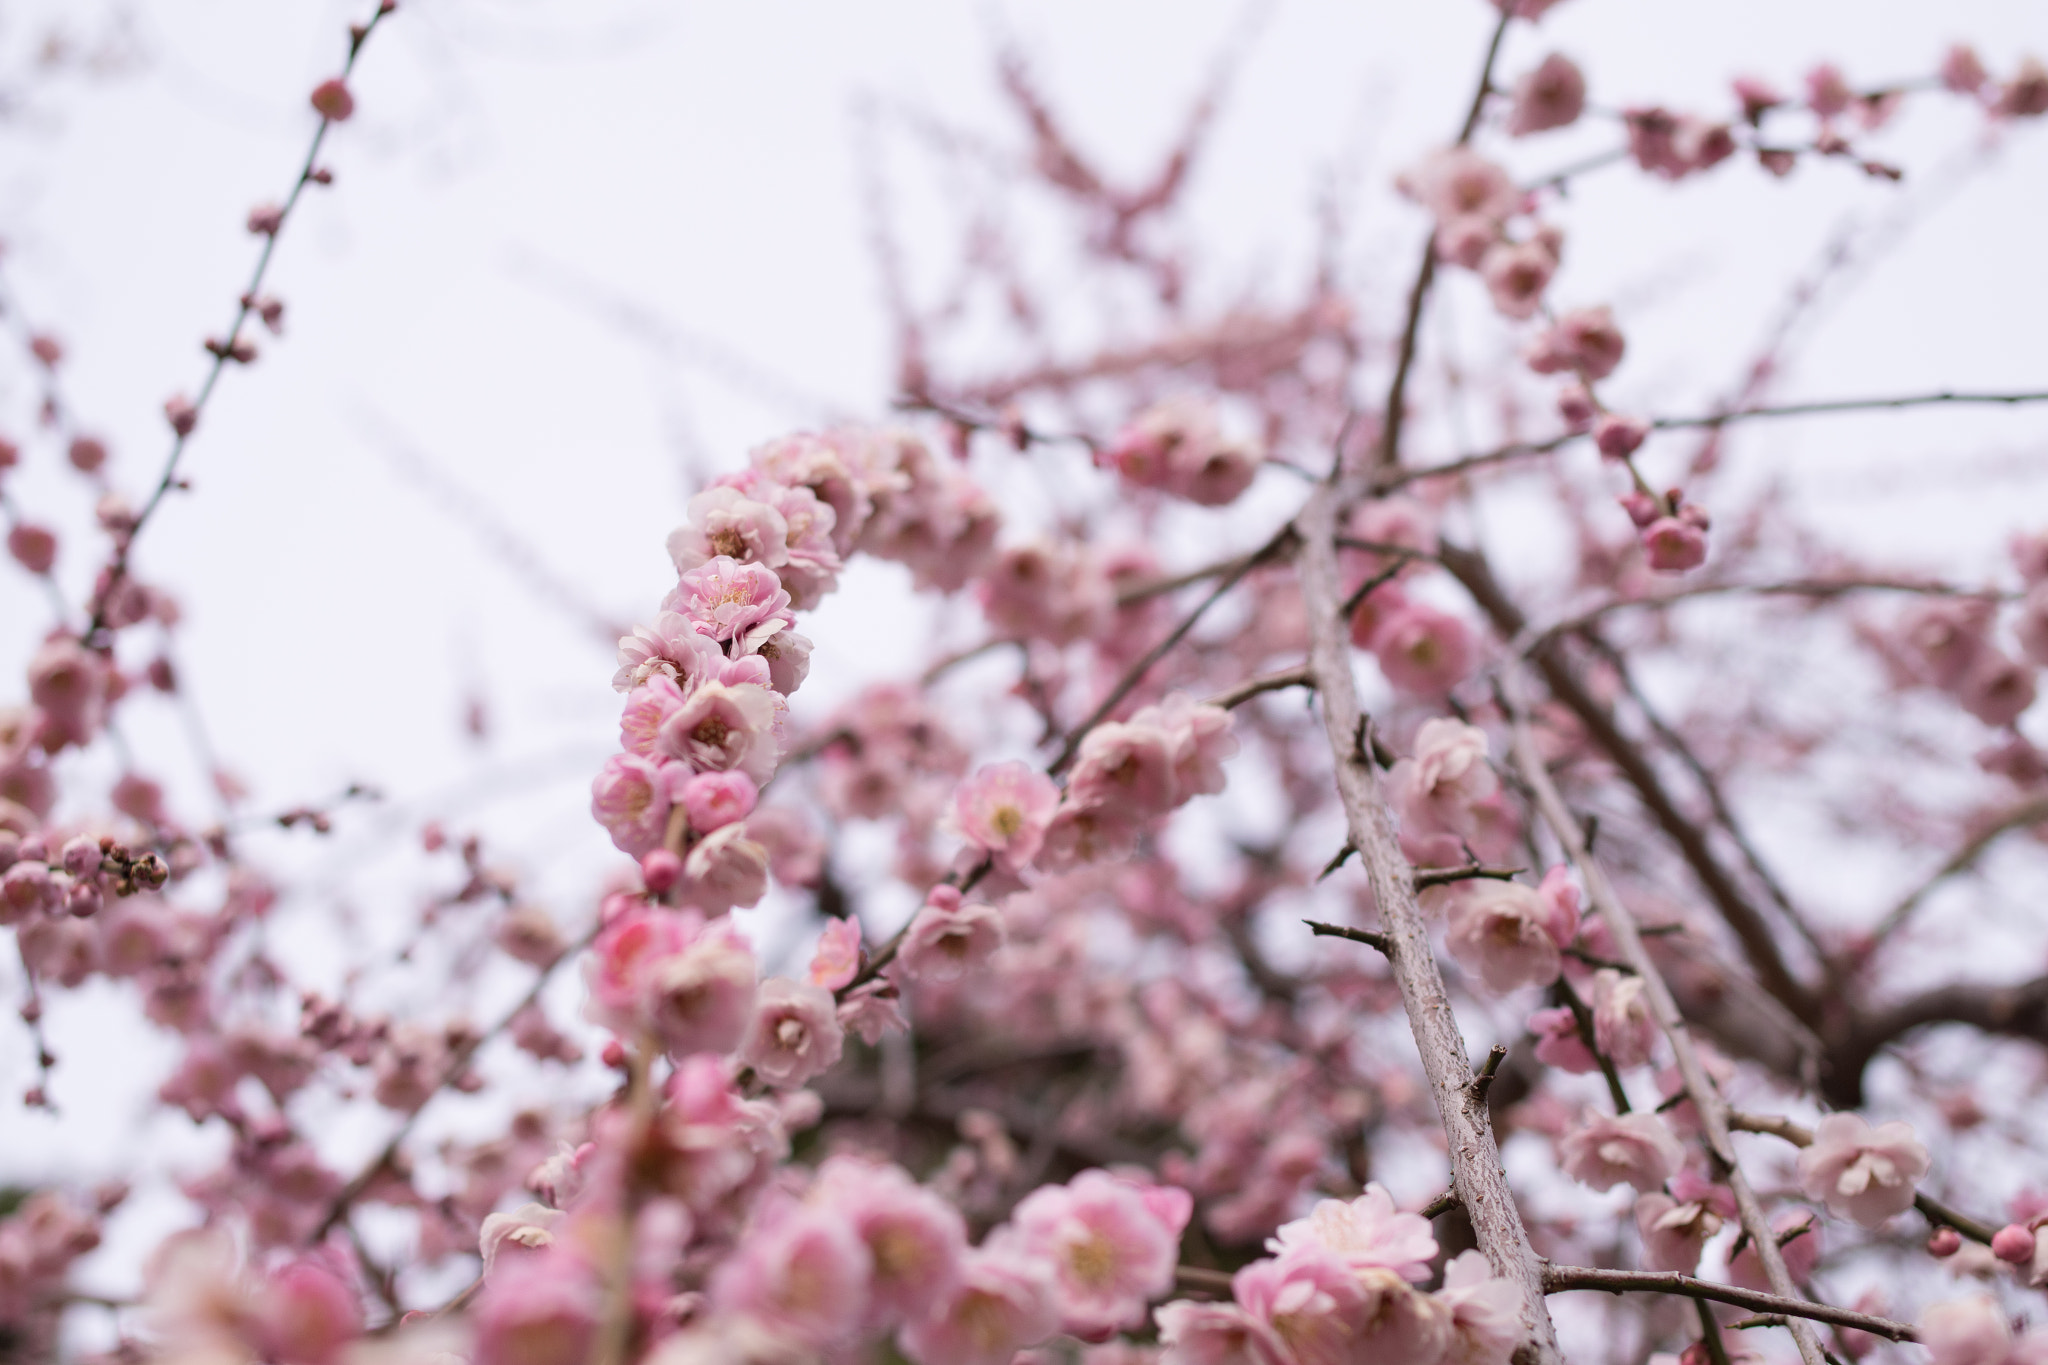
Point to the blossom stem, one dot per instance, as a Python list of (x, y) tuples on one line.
[(1559, 1279)]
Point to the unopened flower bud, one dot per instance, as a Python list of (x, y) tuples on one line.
[(1617, 436), (660, 870), (83, 900), (82, 856), (2014, 1243), (33, 547), (1642, 509), (87, 454), (1674, 545), (1575, 406), (1944, 1242), (265, 219), (332, 101), (178, 410), (614, 1054)]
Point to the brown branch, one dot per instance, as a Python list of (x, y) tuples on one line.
[(1376, 941), (1202, 1279), (1820, 589), (1560, 1279), (1475, 1157), (2020, 816), (1698, 1085), (1232, 697)]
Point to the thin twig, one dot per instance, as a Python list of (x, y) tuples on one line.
[(1232, 697), (1962, 860), (1365, 936), (1559, 1279)]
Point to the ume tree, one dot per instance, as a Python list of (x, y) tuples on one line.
[(1281, 831)]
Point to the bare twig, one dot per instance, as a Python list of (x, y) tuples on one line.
[(2026, 813), (1232, 697), (1698, 1085), (1365, 936), (1559, 1279)]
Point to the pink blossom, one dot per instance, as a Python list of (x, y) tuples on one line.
[(1368, 1231), (795, 1033), (720, 727), (1972, 1331), (1584, 342), (1485, 1311), (1945, 639), (1674, 545), (1423, 651), (947, 940), (2032, 626), (1827, 93), (647, 707), (543, 1307), (68, 683), (1623, 1026), (671, 647), (1997, 690), (1043, 591), (33, 547), (1178, 445), (1619, 437), (1674, 1233), (1502, 931), (916, 1240), (1201, 740), (1308, 1298), (1460, 183), (872, 1010), (1400, 1323), (1861, 1172), (631, 798), (2013, 1243), (1558, 1042), (788, 656), (1004, 1304), (1628, 1149), (668, 973), (1004, 809), (715, 800), (1516, 274), (1437, 792), (1215, 1334), (1962, 72), (725, 522), (802, 1269), (1080, 835), (725, 869), (830, 469), (1550, 96), (837, 959), (1128, 766), (728, 600), (508, 1236), (1112, 1248)]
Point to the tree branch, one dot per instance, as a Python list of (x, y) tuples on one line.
[(2026, 813), (1560, 1279)]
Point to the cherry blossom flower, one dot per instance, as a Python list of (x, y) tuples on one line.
[(1309, 1299), (1550, 96), (1558, 1042), (720, 727), (1004, 809), (1584, 342), (672, 647), (1368, 1231), (631, 797), (1200, 738), (1004, 1304), (540, 1307), (1863, 1173), (837, 959), (1972, 1331), (725, 522), (1436, 792), (804, 1269), (1628, 1149), (1112, 1246), (728, 600), (1516, 274), (1503, 931), (795, 1033), (948, 940), (916, 1241), (1485, 1312), (1675, 1227), (1623, 1027), (507, 1236), (1423, 651), (1460, 183), (715, 800), (1128, 766), (1215, 1334)]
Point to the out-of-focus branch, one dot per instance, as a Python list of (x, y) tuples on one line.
[(1475, 1158), (2026, 813), (226, 349), (1243, 692), (1818, 589), (1558, 1279), (1699, 1087)]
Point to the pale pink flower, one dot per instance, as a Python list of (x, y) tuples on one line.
[(1628, 1149), (1460, 183), (872, 1010), (1049, 592), (1080, 835), (1178, 445), (725, 869), (1112, 1246), (307, 1313), (796, 851), (1400, 1323), (647, 706), (1674, 1233), (1558, 1042), (1623, 1026), (2032, 626), (1674, 545), (1004, 809), (1367, 1231), (804, 1270), (1501, 930), (947, 940), (1962, 72), (1466, 239), (672, 647), (631, 797), (1584, 342), (795, 1033), (1861, 1172), (1127, 766), (1485, 1310), (1200, 740), (541, 1307), (1532, 10), (1308, 1298), (1551, 96), (1004, 1303), (701, 999), (726, 522), (1972, 1331), (837, 959), (1945, 639), (720, 727), (1516, 274), (788, 656), (1997, 690), (916, 1241), (714, 800), (68, 684), (507, 1236), (829, 468), (1618, 436), (1215, 1334), (1435, 792), (1423, 651), (728, 600)]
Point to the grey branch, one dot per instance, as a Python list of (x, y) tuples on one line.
[(1558, 1279)]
